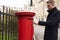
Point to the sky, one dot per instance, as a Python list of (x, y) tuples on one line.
[(15, 3)]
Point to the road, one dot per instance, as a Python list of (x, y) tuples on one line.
[(39, 32)]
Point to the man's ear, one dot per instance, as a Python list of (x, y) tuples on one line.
[(52, 4)]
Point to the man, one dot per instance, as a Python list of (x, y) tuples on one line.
[(52, 22)]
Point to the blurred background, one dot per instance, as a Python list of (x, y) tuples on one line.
[(37, 6)]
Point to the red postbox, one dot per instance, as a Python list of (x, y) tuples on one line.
[(25, 25)]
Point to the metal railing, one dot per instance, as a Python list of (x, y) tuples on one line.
[(8, 26)]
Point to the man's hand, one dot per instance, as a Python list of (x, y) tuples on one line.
[(35, 23)]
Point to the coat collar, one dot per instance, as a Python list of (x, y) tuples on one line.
[(52, 10)]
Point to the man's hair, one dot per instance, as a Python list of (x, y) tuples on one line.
[(51, 1)]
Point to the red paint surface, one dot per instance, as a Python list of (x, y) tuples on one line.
[(25, 25)]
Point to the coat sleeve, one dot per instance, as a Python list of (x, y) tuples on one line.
[(52, 22), (42, 23)]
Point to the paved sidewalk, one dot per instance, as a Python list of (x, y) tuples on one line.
[(39, 32)]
